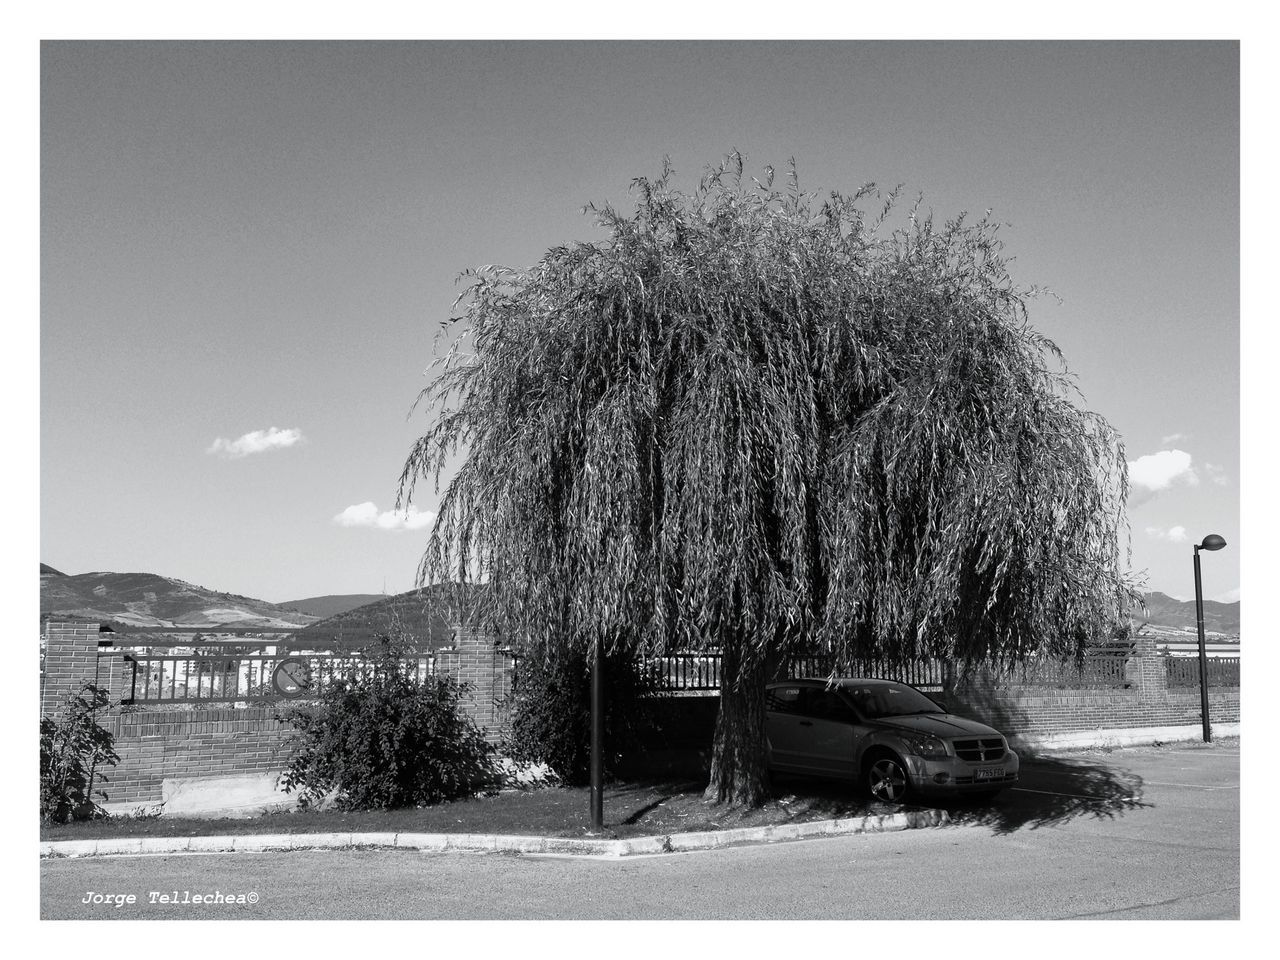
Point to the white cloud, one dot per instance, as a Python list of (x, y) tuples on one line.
[(1159, 471), (1173, 534), (1173, 438), (1217, 473), (367, 515), (255, 441), (1231, 596)]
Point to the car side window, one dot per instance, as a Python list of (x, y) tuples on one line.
[(824, 705), (783, 700), (866, 701)]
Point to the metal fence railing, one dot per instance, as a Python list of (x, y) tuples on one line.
[(1185, 671), (684, 671), (148, 671), (213, 672), (927, 674), (691, 672), (1091, 673), (701, 671)]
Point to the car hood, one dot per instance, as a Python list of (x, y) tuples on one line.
[(940, 725)]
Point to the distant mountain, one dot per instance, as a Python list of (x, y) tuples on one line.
[(417, 613), (150, 600), (147, 599), (1165, 611), (331, 605)]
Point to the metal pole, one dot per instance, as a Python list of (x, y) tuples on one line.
[(1204, 665), (597, 740)]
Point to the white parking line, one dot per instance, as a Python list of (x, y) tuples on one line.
[(1056, 793), (1196, 786), (1159, 783)]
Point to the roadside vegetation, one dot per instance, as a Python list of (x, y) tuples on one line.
[(381, 737), (551, 714), (75, 751)]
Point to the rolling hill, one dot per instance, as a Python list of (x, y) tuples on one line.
[(332, 605), (1165, 611), (150, 600), (147, 599), (418, 613)]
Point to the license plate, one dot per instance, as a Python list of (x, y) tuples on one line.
[(988, 773)]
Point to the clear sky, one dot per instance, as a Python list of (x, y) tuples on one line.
[(247, 247)]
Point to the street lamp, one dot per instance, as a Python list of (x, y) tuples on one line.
[(597, 738), (1211, 542)]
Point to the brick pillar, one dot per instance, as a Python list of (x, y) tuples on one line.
[(70, 660), (1149, 670), (476, 661), (115, 675)]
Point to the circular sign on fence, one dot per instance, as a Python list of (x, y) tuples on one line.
[(290, 677)]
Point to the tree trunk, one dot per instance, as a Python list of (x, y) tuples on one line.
[(739, 774)]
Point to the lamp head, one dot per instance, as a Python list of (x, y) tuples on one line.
[(1212, 542)]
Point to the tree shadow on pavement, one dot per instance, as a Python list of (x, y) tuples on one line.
[(1053, 790)]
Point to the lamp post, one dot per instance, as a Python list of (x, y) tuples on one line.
[(597, 739), (1211, 542)]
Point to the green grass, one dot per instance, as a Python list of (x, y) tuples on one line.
[(629, 810)]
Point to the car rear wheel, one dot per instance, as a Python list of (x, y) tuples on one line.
[(886, 780)]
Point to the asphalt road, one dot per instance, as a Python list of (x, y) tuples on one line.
[(1141, 833)]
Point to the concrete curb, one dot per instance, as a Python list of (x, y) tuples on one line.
[(493, 843), (1126, 737)]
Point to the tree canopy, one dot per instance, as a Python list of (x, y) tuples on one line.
[(758, 420)]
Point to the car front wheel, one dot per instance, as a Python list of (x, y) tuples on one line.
[(886, 780)]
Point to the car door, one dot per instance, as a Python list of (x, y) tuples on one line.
[(826, 733), (782, 725)]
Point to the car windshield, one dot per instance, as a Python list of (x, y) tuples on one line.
[(889, 700)]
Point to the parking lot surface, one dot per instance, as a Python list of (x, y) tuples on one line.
[(1137, 833)]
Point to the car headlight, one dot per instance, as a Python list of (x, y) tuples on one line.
[(923, 745)]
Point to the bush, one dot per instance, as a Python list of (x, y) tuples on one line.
[(551, 712), (382, 738), (73, 749)]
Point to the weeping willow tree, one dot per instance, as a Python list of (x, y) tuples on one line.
[(758, 421)]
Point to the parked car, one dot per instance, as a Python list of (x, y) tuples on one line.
[(888, 736)]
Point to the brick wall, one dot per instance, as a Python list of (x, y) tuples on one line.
[(70, 660), (221, 741), (1148, 701), (224, 741), (1031, 714), (488, 672), (207, 742)]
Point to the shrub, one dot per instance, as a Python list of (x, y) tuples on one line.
[(382, 738), (551, 712), (73, 749)]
